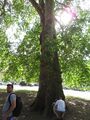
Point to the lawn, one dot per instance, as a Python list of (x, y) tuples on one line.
[(78, 109)]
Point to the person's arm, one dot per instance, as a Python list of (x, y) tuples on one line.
[(6, 114), (55, 106), (12, 107), (13, 104)]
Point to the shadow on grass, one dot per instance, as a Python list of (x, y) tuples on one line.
[(78, 109)]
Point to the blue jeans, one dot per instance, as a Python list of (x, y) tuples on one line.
[(10, 118)]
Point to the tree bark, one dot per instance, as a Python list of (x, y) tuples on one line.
[(50, 83)]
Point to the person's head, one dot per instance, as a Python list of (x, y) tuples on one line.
[(60, 97), (9, 88)]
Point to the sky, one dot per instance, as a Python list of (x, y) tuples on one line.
[(14, 36), (85, 5)]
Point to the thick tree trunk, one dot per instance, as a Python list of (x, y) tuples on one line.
[(50, 84)]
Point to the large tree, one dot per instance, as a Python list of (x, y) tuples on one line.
[(50, 84), (70, 45)]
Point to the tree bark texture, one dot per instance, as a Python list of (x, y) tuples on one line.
[(50, 83)]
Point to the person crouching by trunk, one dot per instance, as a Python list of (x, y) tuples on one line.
[(59, 108), (7, 108)]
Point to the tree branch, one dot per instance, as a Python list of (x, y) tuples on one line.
[(42, 5), (61, 27), (3, 7), (36, 6), (62, 4)]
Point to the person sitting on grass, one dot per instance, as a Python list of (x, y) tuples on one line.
[(59, 108)]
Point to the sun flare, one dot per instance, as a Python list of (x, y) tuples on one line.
[(65, 17)]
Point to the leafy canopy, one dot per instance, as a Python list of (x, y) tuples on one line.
[(72, 41)]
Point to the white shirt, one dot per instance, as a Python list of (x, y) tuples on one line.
[(60, 105)]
